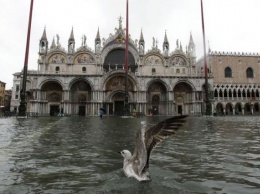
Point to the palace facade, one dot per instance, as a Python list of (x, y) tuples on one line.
[(236, 82), (83, 80)]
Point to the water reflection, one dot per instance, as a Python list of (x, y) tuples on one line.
[(79, 155)]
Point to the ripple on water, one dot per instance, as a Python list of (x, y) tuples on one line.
[(79, 155)]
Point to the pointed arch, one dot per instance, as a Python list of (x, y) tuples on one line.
[(228, 72)]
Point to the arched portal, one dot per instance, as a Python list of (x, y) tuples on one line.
[(157, 98), (219, 109), (238, 109), (52, 92), (118, 99), (183, 98), (80, 95), (247, 109), (229, 109), (115, 94)]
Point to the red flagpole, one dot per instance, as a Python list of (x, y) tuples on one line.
[(204, 43), (22, 107), (207, 102), (126, 111), (126, 53)]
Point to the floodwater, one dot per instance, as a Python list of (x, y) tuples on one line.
[(79, 155)]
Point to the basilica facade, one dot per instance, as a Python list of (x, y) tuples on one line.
[(82, 80)]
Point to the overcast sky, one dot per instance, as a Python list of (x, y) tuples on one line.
[(230, 25)]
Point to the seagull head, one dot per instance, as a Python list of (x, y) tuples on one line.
[(126, 154)]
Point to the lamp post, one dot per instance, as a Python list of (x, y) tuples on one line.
[(207, 102), (22, 107)]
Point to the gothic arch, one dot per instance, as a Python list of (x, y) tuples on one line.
[(220, 109), (249, 72), (238, 109), (228, 72), (229, 109)]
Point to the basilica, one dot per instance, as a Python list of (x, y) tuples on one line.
[(80, 81)]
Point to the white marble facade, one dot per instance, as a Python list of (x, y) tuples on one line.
[(80, 80)]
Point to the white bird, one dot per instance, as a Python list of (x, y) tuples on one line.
[(137, 165)]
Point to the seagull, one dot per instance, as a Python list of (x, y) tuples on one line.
[(137, 165)]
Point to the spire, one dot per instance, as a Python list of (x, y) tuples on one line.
[(53, 45), (166, 44), (120, 22), (192, 49), (71, 43), (71, 35), (141, 43), (43, 45), (98, 43), (191, 42), (165, 39), (141, 37), (44, 37), (98, 36)]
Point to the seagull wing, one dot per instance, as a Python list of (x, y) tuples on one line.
[(160, 131), (140, 153)]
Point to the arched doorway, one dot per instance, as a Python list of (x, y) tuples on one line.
[(118, 99), (219, 109), (247, 109), (156, 97), (238, 109), (183, 98), (115, 94), (229, 109), (52, 92), (80, 95)]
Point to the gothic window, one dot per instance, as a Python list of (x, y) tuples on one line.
[(57, 69), (249, 73), (17, 88), (228, 72), (215, 93), (84, 69)]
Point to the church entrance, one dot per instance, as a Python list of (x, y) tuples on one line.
[(119, 108), (54, 110), (180, 109), (82, 110)]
